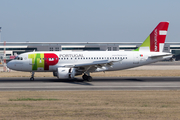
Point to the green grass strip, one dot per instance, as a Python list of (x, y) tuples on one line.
[(32, 99)]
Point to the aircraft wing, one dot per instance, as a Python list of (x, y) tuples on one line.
[(94, 65), (90, 67)]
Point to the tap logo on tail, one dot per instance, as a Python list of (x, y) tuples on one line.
[(155, 41)]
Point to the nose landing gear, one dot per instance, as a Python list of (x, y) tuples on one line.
[(32, 76)]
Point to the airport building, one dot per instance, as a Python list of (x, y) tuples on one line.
[(10, 49)]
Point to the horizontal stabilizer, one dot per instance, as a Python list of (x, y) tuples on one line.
[(161, 55)]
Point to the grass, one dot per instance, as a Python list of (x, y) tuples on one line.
[(87, 105), (32, 99)]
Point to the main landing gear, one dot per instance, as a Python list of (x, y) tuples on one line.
[(32, 76), (86, 77)]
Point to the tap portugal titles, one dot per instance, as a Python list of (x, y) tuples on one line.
[(71, 55)]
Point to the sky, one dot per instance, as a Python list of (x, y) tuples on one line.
[(87, 20)]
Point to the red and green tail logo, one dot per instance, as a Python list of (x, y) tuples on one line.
[(155, 41)]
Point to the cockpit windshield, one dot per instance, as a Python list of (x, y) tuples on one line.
[(18, 58)]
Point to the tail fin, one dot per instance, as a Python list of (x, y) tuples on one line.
[(155, 41)]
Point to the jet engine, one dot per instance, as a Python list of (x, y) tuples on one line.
[(65, 73)]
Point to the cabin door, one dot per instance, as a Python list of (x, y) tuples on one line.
[(135, 58)]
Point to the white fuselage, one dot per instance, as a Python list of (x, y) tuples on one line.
[(41, 62)]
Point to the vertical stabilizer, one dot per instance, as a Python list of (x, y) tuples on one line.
[(155, 41)]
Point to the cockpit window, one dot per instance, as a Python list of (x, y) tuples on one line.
[(18, 58)]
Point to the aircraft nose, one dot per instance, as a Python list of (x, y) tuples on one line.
[(9, 65)]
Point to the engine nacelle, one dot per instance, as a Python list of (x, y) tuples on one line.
[(65, 73)]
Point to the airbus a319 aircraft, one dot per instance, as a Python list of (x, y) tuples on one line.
[(66, 65)]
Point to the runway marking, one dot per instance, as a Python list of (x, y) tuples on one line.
[(97, 87)]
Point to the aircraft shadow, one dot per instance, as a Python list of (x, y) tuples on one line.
[(96, 79), (38, 80)]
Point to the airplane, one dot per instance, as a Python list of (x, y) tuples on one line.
[(66, 65)]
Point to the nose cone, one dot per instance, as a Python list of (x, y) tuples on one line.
[(10, 65)]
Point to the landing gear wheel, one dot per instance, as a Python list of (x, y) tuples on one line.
[(32, 76), (85, 77), (31, 79), (89, 78)]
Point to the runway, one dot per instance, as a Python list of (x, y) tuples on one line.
[(98, 83)]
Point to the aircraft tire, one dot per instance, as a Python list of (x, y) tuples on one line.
[(31, 79), (84, 77), (89, 78)]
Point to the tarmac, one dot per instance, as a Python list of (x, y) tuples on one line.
[(98, 83)]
